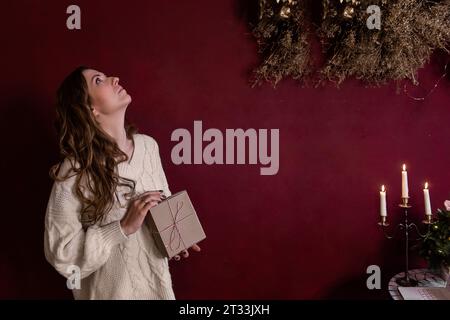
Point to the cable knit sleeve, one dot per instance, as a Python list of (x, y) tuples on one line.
[(66, 243), (156, 158)]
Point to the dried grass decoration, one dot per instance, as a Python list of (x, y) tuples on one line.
[(281, 36), (410, 31)]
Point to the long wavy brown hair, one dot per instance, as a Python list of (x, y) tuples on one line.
[(93, 154)]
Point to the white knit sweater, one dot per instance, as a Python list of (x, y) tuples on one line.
[(112, 265)]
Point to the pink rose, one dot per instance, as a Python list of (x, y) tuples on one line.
[(447, 205)]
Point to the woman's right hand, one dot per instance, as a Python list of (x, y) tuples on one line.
[(138, 209)]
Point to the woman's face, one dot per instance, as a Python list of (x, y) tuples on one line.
[(107, 96)]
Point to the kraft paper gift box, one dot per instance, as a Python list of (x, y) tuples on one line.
[(174, 224)]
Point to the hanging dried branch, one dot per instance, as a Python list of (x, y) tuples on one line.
[(410, 31), (281, 36)]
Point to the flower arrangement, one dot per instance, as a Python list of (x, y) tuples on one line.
[(435, 246)]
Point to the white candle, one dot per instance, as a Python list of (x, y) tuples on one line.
[(404, 182), (383, 211), (426, 196)]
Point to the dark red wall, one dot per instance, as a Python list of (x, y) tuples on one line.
[(308, 232)]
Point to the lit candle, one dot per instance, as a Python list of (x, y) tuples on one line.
[(383, 211), (404, 182), (426, 196)]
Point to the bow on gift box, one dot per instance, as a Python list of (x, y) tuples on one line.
[(174, 227)]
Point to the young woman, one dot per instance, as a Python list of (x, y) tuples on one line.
[(108, 179)]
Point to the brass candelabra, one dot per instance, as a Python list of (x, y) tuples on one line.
[(406, 281)]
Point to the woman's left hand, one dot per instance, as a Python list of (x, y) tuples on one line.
[(185, 253)]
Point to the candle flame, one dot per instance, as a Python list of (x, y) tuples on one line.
[(382, 188), (404, 167), (426, 185)]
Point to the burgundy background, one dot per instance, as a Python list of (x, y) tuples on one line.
[(308, 232)]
